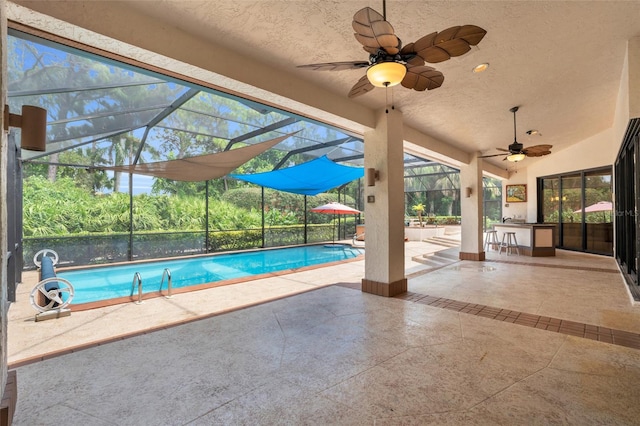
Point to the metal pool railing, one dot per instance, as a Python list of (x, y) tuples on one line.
[(133, 283), (166, 273)]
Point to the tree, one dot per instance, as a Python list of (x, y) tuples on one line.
[(450, 186), (419, 209), (122, 149)]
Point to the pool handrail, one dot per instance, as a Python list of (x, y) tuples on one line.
[(166, 272), (356, 239), (133, 283)]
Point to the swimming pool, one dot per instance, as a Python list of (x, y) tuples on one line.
[(115, 281)]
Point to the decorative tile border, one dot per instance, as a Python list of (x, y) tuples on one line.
[(557, 325), (515, 262), (548, 265)]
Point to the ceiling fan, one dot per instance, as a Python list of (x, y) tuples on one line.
[(516, 151), (390, 63)]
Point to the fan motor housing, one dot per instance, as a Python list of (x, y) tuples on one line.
[(382, 56), (516, 147)]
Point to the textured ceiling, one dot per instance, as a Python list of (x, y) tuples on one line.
[(561, 62)]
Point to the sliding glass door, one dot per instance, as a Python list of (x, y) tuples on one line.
[(571, 207), (627, 229), (598, 212), (579, 203), (550, 203)]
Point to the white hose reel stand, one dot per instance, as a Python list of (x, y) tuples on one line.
[(51, 303), (45, 252)]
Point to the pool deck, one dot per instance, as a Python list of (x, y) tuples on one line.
[(31, 341)]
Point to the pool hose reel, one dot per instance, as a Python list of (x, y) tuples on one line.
[(54, 299), (51, 296)]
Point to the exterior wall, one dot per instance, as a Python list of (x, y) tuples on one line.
[(628, 85), (518, 211), (632, 74)]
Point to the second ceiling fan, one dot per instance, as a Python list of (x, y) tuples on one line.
[(391, 63), (516, 151)]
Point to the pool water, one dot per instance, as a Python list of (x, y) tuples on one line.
[(115, 281)]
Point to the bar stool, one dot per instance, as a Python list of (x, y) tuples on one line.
[(491, 240), (509, 242)]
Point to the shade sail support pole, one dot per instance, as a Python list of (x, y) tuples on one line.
[(305, 221), (206, 217), (130, 251), (262, 193)]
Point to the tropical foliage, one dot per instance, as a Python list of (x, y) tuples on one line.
[(65, 208), (436, 188)]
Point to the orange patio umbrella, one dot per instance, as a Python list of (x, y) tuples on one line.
[(335, 208)]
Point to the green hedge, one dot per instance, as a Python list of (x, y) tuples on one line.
[(439, 220)]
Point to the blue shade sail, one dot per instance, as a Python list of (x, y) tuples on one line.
[(311, 178)]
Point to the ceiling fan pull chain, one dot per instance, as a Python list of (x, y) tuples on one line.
[(392, 101), (386, 96)]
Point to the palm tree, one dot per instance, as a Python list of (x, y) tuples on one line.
[(123, 147), (419, 209)]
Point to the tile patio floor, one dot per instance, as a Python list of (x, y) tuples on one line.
[(322, 352)]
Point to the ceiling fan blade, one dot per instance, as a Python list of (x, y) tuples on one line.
[(502, 149), (492, 155), (422, 78), (472, 34), (336, 66), (454, 41), (416, 61), (410, 56), (373, 32), (361, 87), (537, 150)]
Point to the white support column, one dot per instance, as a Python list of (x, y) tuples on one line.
[(471, 247), (384, 210)]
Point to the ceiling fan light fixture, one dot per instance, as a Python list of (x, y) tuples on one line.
[(480, 68), (386, 74), (514, 158)]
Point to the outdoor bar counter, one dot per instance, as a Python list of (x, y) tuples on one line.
[(534, 239)]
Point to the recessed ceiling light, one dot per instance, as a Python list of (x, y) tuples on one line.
[(534, 133), (480, 68)]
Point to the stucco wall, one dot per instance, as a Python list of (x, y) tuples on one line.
[(633, 76), (517, 210)]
